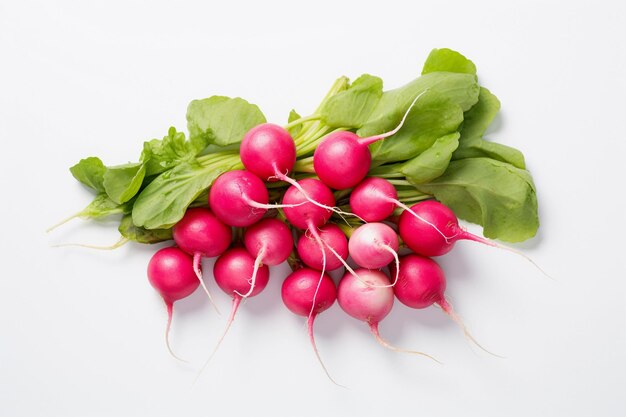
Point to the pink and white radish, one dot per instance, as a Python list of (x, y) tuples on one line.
[(342, 159), (239, 198), (422, 283), (201, 234), (369, 298), (170, 272), (299, 291), (373, 245), (335, 243)]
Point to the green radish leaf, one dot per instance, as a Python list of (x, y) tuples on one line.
[(161, 155), (163, 203), (293, 116), (432, 117), (494, 194), (222, 120), (90, 171), (433, 162), (447, 60), (141, 235), (352, 107), (102, 206), (122, 182), (477, 119)]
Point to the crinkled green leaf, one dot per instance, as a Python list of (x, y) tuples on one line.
[(477, 120), (433, 162), (352, 107), (432, 117), (161, 155), (222, 120), (447, 60), (494, 194), (122, 182), (90, 171), (163, 203), (141, 235)]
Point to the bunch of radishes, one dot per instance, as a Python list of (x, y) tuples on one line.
[(239, 199)]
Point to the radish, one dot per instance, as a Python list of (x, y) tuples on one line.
[(430, 228), (298, 292), (239, 198), (342, 159), (270, 241), (335, 242), (373, 245), (201, 234), (422, 283), (170, 272), (369, 299), (233, 273)]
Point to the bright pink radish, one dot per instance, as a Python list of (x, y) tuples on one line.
[(422, 283), (311, 254), (268, 151), (368, 298), (234, 274), (342, 159), (170, 272), (270, 239), (238, 198), (436, 232), (374, 199), (298, 292), (201, 234), (303, 214), (373, 245), (270, 242)]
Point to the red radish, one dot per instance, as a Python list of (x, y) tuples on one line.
[(201, 234), (335, 242), (299, 291), (422, 283), (239, 198), (268, 151), (368, 299), (170, 272), (233, 272), (342, 159), (270, 241)]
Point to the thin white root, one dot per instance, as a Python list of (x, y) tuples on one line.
[(121, 242), (170, 309), (62, 222), (257, 263), (373, 139), (310, 321), (197, 259), (231, 318), (262, 206), (379, 339), (397, 260)]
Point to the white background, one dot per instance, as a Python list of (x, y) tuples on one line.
[(81, 332)]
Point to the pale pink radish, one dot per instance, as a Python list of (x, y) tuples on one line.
[(170, 272), (201, 234), (342, 159), (369, 299), (299, 290)]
